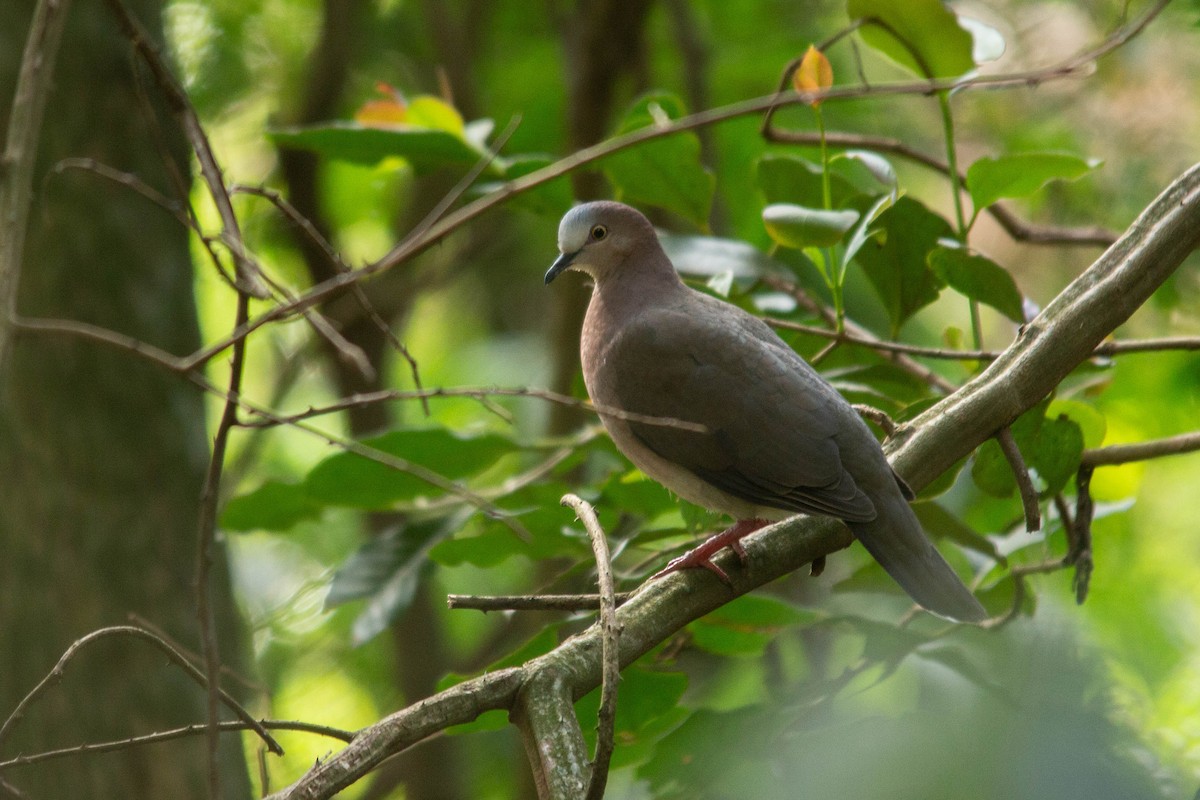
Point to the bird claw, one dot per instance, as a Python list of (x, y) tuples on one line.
[(701, 556)]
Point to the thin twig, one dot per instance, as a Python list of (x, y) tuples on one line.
[(530, 602), (610, 654), (205, 541), (182, 732), (1016, 462), (56, 674), (1080, 552), (1141, 451), (34, 81), (210, 170), (478, 393)]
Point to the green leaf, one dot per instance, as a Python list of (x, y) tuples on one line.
[(274, 506), (643, 696), (746, 625), (979, 278), (792, 179), (896, 262), (348, 479), (1092, 424), (426, 149), (665, 172), (1057, 451), (923, 36), (990, 179), (799, 227), (1051, 448)]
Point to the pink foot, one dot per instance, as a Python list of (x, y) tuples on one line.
[(701, 556)]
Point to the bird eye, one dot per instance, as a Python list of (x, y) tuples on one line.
[(599, 232)]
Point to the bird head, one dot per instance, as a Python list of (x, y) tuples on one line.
[(598, 238)]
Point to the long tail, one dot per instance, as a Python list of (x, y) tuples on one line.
[(895, 539)]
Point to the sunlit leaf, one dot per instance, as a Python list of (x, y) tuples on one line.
[(799, 227), (425, 149), (348, 479), (992, 178), (923, 36), (274, 506), (1091, 422), (979, 278), (665, 172)]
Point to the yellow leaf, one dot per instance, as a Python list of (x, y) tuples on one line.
[(383, 113), (814, 74)]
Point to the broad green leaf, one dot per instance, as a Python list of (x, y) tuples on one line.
[(990, 179), (1057, 450), (1091, 422), (1050, 447), (643, 696), (746, 625), (979, 278), (427, 111), (665, 172), (800, 227), (923, 36), (274, 506), (850, 162), (792, 179), (426, 149), (348, 479), (896, 262)]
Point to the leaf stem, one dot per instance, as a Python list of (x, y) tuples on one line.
[(956, 193)]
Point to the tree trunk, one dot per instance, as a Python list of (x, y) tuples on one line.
[(102, 454)]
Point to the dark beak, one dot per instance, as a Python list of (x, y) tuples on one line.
[(561, 263)]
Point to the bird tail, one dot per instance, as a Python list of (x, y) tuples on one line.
[(895, 539)]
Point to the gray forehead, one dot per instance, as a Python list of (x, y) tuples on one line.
[(575, 226)]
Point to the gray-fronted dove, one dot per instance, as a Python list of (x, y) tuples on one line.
[(776, 438)]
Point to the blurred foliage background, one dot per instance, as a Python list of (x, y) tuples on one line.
[(340, 567)]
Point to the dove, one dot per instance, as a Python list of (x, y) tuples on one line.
[(707, 400)]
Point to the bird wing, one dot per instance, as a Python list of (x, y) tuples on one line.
[(771, 422)]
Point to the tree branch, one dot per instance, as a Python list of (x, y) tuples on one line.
[(20, 151)]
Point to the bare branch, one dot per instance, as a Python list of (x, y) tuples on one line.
[(183, 732), (530, 602), (1142, 451), (1016, 462), (56, 674), (610, 633), (34, 80)]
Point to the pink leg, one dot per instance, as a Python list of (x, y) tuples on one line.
[(702, 556)]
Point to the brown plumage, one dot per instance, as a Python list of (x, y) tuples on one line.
[(778, 439)]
